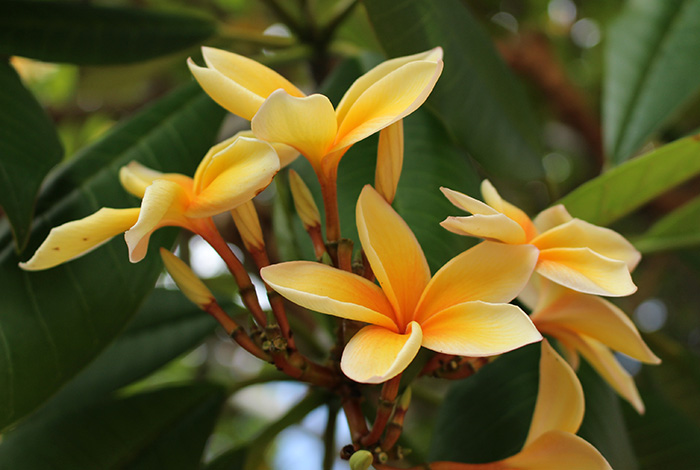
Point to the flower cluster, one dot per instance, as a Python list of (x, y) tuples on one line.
[(392, 305)]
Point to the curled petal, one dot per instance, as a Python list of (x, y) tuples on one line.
[(478, 329), (491, 272), (375, 354), (585, 271), (493, 199), (552, 217), (579, 234), (560, 402), (393, 252), (331, 291), (389, 160), (557, 450), (285, 153), (135, 178), (76, 238), (467, 203), (495, 227), (307, 124), (234, 176)]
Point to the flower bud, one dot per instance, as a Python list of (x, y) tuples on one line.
[(246, 219), (361, 460), (304, 201), (389, 160), (190, 285)]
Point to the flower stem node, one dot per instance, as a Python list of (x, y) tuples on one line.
[(361, 460)]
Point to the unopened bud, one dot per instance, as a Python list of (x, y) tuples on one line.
[(361, 460), (389, 160), (304, 201), (246, 219), (405, 400), (190, 285)]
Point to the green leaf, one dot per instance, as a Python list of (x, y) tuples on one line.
[(652, 69), (677, 230), (625, 188), (52, 323), (29, 148), (83, 34), (486, 417), (166, 428), (481, 103)]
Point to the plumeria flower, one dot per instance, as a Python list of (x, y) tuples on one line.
[(552, 443), (280, 112), (231, 173), (572, 252), (591, 326), (460, 311)]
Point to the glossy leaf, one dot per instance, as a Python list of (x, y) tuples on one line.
[(52, 323), (29, 148), (84, 34), (166, 428), (652, 70), (477, 97), (624, 189), (677, 230)]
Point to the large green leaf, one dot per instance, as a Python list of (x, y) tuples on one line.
[(166, 428), (477, 97), (623, 189), (52, 323), (84, 34), (29, 148), (652, 69), (679, 229)]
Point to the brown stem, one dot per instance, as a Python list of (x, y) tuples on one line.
[(345, 255), (387, 399), (329, 190), (317, 240), (356, 420)]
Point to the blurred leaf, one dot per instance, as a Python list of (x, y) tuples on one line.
[(486, 417), (29, 148), (479, 100), (625, 188), (52, 323), (166, 428), (603, 424), (84, 34), (652, 69), (233, 459), (679, 229)]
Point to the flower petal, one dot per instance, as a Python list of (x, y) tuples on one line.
[(237, 83), (331, 291), (76, 238), (491, 272), (375, 354), (560, 402), (234, 176), (135, 178), (594, 317), (580, 234), (163, 204), (495, 227), (478, 329), (583, 270), (393, 252), (557, 450), (391, 98), (493, 199), (552, 217), (307, 124), (467, 203), (389, 160)]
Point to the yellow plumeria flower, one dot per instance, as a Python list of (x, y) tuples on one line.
[(573, 253), (461, 310), (280, 112), (230, 174), (591, 326), (552, 443)]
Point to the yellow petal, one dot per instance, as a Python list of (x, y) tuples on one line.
[(579, 234), (492, 272), (307, 124), (393, 97), (552, 217), (583, 270), (188, 282), (234, 175), (478, 329), (380, 71), (493, 199), (496, 227), (246, 219), (76, 238), (163, 204), (206, 161), (285, 153), (329, 290), (389, 160), (237, 83), (597, 318), (560, 402), (393, 252), (557, 450), (467, 203), (135, 178), (375, 354)]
